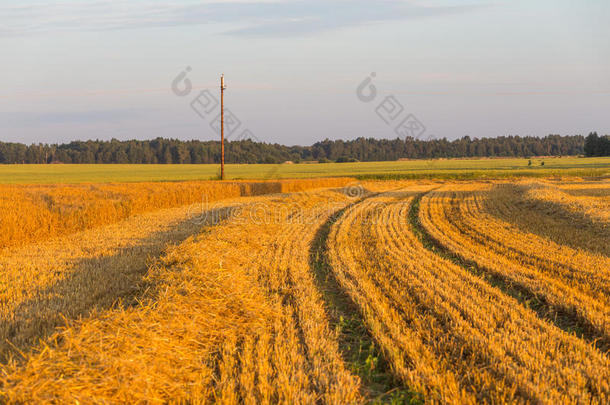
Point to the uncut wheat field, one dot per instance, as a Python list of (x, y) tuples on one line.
[(309, 291)]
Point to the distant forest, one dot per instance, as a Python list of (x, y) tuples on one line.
[(162, 150)]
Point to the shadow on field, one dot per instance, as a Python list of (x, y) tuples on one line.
[(357, 346), (95, 284), (553, 222), (564, 318), (589, 192)]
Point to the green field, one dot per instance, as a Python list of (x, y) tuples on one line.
[(443, 168)]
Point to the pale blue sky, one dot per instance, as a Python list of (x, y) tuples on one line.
[(103, 69)]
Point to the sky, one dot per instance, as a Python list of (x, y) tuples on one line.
[(300, 71)]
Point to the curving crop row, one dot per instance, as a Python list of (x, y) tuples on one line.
[(448, 333), (231, 316), (575, 284)]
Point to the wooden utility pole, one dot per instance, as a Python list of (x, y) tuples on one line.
[(222, 126)]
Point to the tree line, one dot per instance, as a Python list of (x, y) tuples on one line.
[(597, 145), (166, 151)]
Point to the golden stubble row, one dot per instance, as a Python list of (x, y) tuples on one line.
[(232, 315), (573, 282), (590, 199), (549, 220), (583, 257), (72, 275), (448, 333), (31, 213)]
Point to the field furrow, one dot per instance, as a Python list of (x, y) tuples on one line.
[(578, 269), (406, 291), (352, 254), (69, 277), (573, 283), (551, 220), (356, 344), (31, 213), (231, 316), (462, 339), (591, 201)]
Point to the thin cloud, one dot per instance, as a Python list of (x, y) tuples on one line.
[(306, 17), (266, 18), (42, 118)]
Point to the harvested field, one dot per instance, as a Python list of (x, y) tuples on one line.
[(309, 291)]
